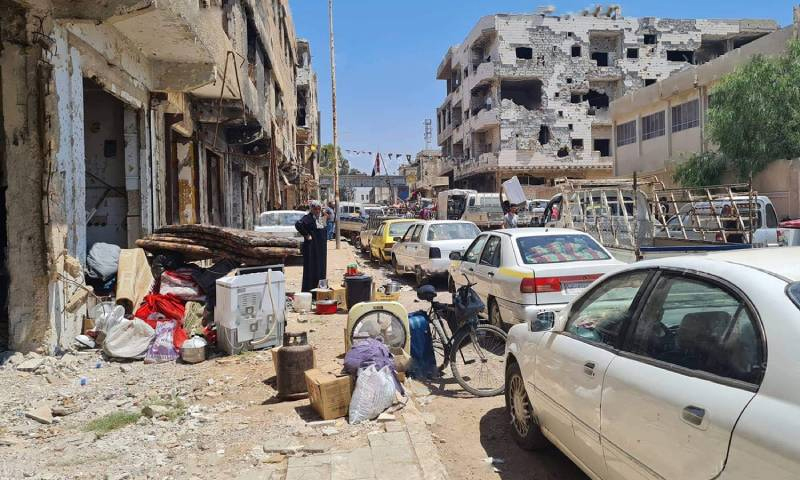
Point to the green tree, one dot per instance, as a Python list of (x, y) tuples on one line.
[(754, 118), (326, 161)]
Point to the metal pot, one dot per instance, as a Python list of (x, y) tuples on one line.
[(327, 307), (391, 288)]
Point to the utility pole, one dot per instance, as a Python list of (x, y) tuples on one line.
[(335, 131)]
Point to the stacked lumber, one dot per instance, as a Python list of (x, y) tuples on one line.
[(200, 242)]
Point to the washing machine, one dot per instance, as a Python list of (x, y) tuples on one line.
[(387, 320)]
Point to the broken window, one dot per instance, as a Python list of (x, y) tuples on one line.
[(632, 53), (562, 152), (576, 50), (576, 98), (560, 114), (577, 144), (626, 133), (650, 39), (544, 135), (602, 145), (649, 81), (685, 116), (653, 125), (597, 99), (556, 95), (601, 58), (569, 80), (525, 93), (680, 56), (525, 53), (571, 127)]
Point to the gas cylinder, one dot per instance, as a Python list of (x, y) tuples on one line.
[(294, 358)]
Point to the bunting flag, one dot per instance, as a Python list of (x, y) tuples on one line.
[(390, 156), (408, 157), (376, 168)]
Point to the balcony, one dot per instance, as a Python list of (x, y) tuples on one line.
[(445, 134), (482, 75), (484, 120), (605, 74), (484, 163)]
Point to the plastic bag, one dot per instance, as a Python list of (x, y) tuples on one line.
[(374, 393), (162, 349), (181, 284), (105, 323), (129, 339)]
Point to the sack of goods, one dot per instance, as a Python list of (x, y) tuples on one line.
[(374, 393)]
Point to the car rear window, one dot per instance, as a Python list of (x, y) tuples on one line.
[(398, 229), (793, 291), (559, 249), (452, 231)]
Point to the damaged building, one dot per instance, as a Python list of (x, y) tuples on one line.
[(120, 117), (528, 95)]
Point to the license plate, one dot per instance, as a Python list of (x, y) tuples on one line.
[(574, 288)]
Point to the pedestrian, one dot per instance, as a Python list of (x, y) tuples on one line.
[(313, 228), (331, 225), (510, 218)]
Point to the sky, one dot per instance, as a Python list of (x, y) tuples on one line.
[(387, 52)]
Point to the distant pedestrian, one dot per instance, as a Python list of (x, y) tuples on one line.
[(510, 218), (331, 225)]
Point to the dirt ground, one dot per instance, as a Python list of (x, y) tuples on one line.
[(473, 433)]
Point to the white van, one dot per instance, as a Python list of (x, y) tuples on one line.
[(483, 209)]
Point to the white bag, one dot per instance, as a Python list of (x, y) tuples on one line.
[(129, 339), (374, 393)]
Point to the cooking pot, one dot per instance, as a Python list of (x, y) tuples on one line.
[(391, 288), (327, 307)]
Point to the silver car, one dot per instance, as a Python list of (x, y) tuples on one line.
[(425, 248)]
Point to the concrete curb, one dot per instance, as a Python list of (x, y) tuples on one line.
[(428, 455)]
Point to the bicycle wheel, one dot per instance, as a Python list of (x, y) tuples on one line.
[(439, 338), (477, 360)]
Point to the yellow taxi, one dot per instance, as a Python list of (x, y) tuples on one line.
[(384, 238)]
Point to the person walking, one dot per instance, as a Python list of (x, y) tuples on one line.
[(331, 225), (510, 218), (313, 227)]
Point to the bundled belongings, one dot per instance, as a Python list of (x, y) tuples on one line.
[(200, 242)]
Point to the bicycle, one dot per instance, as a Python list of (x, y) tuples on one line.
[(475, 351)]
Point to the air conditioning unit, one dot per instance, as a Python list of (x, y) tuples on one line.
[(251, 309)]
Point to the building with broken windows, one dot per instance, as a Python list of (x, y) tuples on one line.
[(528, 95), (308, 125), (122, 116), (657, 127)]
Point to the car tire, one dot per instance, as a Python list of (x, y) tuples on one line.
[(395, 266), (524, 430), (419, 276), (494, 314)]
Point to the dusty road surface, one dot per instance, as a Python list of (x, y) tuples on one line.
[(472, 433)]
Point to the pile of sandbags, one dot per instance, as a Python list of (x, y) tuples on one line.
[(200, 242)]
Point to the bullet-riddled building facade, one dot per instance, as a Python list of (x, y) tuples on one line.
[(528, 95)]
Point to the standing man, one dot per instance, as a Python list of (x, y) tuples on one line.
[(313, 227), (331, 220), (510, 218)]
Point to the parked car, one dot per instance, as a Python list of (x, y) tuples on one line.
[(425, 248), (372, 225), (389, 232), (693, 359), (279, 223), (520, 272)]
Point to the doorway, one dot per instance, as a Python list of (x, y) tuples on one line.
[(214, 201), (104, 142)]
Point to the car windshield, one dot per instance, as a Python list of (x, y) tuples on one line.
[(452, 231), (280, 219), (398, 229), (559, 249)]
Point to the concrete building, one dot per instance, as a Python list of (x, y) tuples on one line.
[(120, 117), (308, 125), (425, 171), (659, 126), (528, 95)]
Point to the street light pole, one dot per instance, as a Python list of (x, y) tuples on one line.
[(335, 130)]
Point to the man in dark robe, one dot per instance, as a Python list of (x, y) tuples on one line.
[(313, 228)]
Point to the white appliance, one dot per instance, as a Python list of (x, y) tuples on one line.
[(251, 309)]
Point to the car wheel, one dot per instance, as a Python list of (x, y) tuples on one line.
[(395, 266), (419, 276), (524, 430), (494, 314)]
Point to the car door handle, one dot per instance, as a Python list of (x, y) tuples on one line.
[(588, 368), (693, 415), (491, 274)]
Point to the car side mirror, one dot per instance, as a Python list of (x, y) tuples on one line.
[(455, 255), (544, 321)]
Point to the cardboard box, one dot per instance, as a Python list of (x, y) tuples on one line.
[(339, 294), (329, 394), (401, 359)]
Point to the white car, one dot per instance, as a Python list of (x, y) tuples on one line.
[(682, 367), (279, 223), (522, 271), (426, 246)]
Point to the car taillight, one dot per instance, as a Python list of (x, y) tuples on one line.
[(547, 284), (434, 253)]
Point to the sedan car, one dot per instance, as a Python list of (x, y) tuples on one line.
[(522, 271), (279, 223), (389, 232), (682, 367), (425, 248)]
